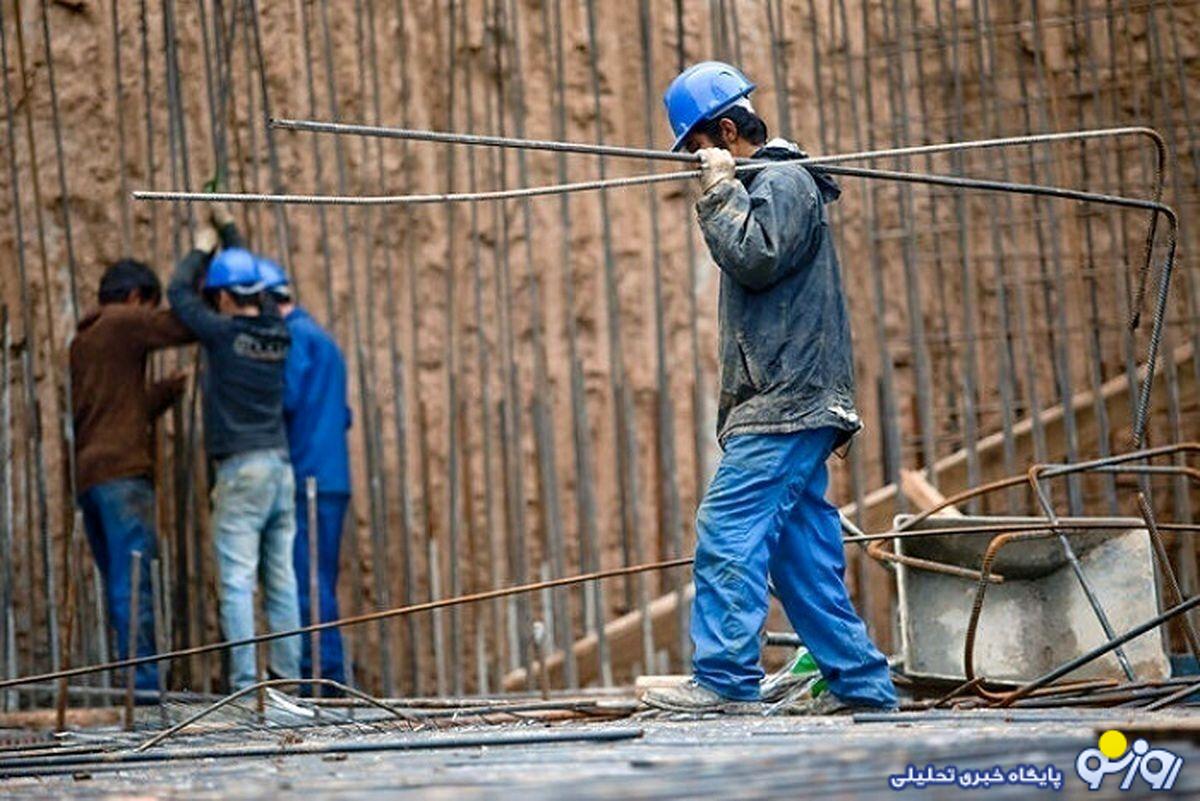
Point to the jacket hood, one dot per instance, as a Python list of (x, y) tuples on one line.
[(779, 149)]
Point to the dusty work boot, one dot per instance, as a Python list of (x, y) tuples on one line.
[(826, 703), (691, 697)]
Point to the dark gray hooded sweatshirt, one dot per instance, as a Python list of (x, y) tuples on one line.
[(786, 359)]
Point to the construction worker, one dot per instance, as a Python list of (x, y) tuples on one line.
[(786, 403), (317, 418), (254, 512), (114, 410)]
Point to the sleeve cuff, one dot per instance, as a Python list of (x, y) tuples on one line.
[(717, 196)]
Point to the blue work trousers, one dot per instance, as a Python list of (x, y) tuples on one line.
[(254, 525), (331, 514), (765, 513), (118, 517)]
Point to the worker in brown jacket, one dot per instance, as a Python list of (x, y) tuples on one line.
[(114, 409)]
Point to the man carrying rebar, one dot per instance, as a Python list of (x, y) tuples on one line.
[(114, 411), (317, 418), (786, 403), (245, 346)]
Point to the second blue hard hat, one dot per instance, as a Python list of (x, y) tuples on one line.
[(271, 274), (701, 92), (234, 269)]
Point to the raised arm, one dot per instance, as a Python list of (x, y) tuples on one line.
[(160, 328), (185, 298), (759, 238)]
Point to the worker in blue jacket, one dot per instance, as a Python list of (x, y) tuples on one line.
[(317, 419), (786, 403)]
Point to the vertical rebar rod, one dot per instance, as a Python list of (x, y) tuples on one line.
[(864, 591), (103, 633), (302, 11), (585, 492), (968, 291), (71, 573), (669, 522), (698, 398), (395, 364), (33, 409), (1006, 379), (779, 66), (891, 428), (27, 522), (252, 129), (282, 224), (715, 20), (1041, 217), (431, 552), (891, 443), (381, 568), (401, 407), (541, 401), (949, 380), (168, 630), (1027, 353), (735, 31), (210, 75), (131, 650), (1059, 345), (175, 104), (1088, 262), (1186, 553), (922, 378), (119, 116), (483, 374), (7, 634), (623, 425), (151, 176), (511, 404), (453, 499), (158, 615), (1125, 295), (60, 160), (187, 427), (478, 648), (365, 394), (1179, 485)]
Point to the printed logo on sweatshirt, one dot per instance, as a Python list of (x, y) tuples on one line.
[(260, 349)]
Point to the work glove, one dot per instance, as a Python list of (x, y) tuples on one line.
[(206, 239), (219, 213), (716, 165)]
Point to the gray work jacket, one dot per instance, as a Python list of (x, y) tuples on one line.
[(786, 359)]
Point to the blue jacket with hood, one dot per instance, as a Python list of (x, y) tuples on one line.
[(314, 406)]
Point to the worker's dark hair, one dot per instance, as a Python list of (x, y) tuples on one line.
[(129, 275), (749, 125)]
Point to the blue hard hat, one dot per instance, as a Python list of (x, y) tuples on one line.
[(701, 92), (234, 269), (271, 274)]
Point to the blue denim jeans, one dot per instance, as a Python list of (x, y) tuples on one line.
[(331, 514), (118, 517), (765, 513), (254, 527)]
